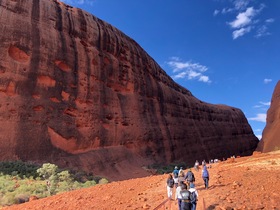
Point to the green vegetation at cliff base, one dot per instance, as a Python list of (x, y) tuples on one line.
[(19, 181)]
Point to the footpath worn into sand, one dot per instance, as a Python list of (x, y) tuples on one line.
[(241, 183)]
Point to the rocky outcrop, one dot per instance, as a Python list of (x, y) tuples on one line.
[(270, 137), (77, 91)]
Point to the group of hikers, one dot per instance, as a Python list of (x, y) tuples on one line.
[(186, 193)]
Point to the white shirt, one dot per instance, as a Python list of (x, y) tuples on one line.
[(178, 194)]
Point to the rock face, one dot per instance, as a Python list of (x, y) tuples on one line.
[(76, 91), (270, 137)]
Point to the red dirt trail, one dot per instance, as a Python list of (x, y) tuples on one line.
[(241, 183)]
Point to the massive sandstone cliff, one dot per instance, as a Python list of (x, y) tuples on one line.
[(271, 133), (76, 91)]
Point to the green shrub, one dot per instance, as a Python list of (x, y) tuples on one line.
[(89, 183), (19, 180), (19, 168), (8, 199), (103, 181), (163, 168)]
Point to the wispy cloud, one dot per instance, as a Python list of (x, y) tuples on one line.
[(240, 32), (240, 4), (243, 18), (270, 20), (262, 104), (246, 18), (227, 10), (261, 117), (78, 1), (262, 31), (216, 12), (266, 81), (265, 103), (188, 70)]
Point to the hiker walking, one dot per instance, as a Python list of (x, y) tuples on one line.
[(194, 196), (181, 171), (203, 163), (205, 176), (189, 177), (178, 196), (169, 186), (175, 176), (186, 198), (181, 177)]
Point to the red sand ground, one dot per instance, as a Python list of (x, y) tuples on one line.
[(240, 183)]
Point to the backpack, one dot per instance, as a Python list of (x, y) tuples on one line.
[(190, 177), (185, 194), (175, 173), (170, 182), (193, 197)]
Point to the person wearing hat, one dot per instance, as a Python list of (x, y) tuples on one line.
[(181, 171), (194, 196)]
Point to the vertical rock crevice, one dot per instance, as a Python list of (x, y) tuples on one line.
[(76, 86)]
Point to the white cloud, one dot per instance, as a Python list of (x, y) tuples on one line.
[(78, 1), (180, 75), (241, 4), (265, 103), (188, 70), (266, 81), (240, 32), (259, 136), (259, 118), (270, 20), (262, 31), (262, 105), (227, 10), (216, 12), (243, 18), (204, 78)]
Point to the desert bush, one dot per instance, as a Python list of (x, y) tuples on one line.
[(19, 168), (6, 184), (163, 168), (89, 183), (103, 181), (18, 184), (7, 199)]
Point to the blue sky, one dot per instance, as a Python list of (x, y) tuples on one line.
[(223, 51)]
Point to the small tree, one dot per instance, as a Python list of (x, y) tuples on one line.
[(65, 176), (65, 181), (49, 172)]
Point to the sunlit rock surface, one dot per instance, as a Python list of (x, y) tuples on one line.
[(271, 133), (76, 91)]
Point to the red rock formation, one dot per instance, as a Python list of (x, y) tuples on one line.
[(76, 91), (270, 137)]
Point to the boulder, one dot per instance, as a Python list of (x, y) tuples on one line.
[(78, 92)]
